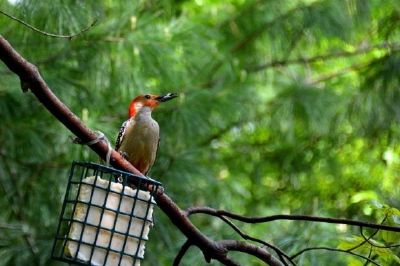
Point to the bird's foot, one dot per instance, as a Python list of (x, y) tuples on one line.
[(124, 154)]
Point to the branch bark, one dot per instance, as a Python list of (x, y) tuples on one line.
[(262, 254), (31, 79)]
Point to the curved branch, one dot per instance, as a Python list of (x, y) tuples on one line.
[(368, 240), (182, 252), (282, 255), (31, 79), (290, 217), (46, 33), (262, 254)]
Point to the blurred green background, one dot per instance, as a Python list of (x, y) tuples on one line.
[(287, 106)]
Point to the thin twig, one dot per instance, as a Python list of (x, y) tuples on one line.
[(289, 217), (47, 33), (279, 252), (367, 239), (261, 253), (333, 249), (182, 252), (369, 256), (282, 255), (371, 236)]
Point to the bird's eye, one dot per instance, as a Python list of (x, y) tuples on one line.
[(147, 96)]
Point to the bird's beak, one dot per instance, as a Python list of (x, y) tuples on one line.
[(166, 97)]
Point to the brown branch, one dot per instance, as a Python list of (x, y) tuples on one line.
[(211, 249), (223, 214), (282, 255), (31, 79), (47, 33), (264, 219), (262, 254)]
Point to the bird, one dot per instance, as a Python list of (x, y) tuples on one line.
[(139, 136)]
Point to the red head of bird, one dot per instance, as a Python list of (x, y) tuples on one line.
[(149, 100)]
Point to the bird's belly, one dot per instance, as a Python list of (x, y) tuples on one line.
[(141, 148)]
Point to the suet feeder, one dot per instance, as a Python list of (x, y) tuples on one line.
[(104, 221)]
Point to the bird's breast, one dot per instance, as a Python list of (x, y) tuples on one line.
[(140, 143)]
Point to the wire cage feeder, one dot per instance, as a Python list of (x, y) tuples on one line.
[(104, 220)]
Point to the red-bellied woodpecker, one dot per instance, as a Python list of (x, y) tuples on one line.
[(139, 136)]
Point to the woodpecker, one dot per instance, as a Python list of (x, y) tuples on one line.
[(139, 136)]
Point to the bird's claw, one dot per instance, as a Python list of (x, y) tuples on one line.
[(124, 154)]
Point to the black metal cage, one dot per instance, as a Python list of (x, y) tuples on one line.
[(104, 221)]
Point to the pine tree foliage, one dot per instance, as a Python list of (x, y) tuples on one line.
[(284, 107)]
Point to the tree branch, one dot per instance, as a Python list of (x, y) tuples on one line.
[(262, 254), (264, 219), (368, 240), (182, 252), (31, 79), (282, 255), (335, 250), (46, 33)]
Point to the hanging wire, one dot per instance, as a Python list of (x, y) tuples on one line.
[(100, 137)]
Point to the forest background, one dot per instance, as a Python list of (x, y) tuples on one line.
[(284, 107)]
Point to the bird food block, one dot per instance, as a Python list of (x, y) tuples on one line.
[(110, 224)]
